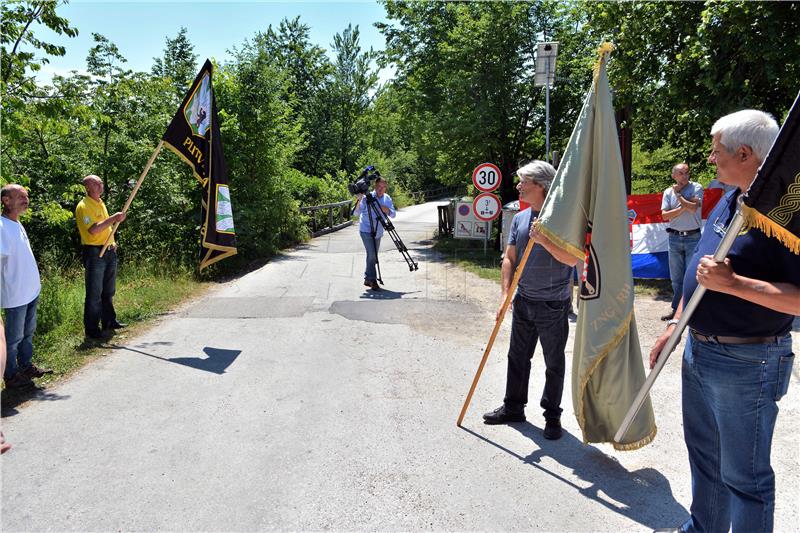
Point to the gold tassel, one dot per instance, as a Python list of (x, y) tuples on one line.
[(770, 228), (602, 55)]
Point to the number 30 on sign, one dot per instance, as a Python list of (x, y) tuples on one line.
[(486, 177), (486, 206)]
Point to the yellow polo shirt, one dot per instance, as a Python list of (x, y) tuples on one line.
[(88, 212)]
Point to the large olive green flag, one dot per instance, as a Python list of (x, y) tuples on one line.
[(586, 213)]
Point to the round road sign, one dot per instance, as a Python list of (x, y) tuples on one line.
[(486, 206), (486, 177)]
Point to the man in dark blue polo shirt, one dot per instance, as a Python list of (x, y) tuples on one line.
[(738, 357), (541, 307)]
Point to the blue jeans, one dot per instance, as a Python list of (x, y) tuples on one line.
[(730, 395), (19, 329), (533, 321), (101, 283), (372, 254), (681, 249)]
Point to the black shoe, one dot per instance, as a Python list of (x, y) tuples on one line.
[(369, 282), (374, 286), (115, 325), (97, 335), (34, 371), (501, 415), (18, 381), (552, 429), (669, 316)]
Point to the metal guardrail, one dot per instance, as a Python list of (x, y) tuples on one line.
[(338, 217)]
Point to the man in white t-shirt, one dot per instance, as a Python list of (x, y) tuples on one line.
[(681, 207), (19, 290)]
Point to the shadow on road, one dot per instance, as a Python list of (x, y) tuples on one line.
[(218, 359), (12, 398), (644, 496), (383, 294)]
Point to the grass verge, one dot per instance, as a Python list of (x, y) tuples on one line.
[(469, 255)]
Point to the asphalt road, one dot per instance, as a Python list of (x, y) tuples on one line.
[(294, 399)]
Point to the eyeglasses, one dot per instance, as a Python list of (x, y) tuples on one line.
[(721, 226)]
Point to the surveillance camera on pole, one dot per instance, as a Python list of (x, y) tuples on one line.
[(545, 76)]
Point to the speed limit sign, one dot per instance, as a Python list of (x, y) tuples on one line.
[(486, 177), (486, 206)]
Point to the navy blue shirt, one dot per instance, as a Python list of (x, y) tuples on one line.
[(753, 255), (544, 277)]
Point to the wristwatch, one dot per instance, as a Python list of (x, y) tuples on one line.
[(672, 322)]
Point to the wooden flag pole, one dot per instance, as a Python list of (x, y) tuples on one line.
[(133, 194), (497, 325)]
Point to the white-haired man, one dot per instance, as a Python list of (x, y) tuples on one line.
[(541, 307), (738, 356)]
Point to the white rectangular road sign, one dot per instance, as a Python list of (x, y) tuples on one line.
[(467, 225)]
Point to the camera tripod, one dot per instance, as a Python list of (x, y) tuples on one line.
[(373, 206)]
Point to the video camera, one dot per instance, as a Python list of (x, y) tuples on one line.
[(361, 185)]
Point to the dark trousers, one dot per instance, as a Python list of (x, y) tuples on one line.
[(101, 281), (533, 321)]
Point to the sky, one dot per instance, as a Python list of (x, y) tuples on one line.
[(139, 29)]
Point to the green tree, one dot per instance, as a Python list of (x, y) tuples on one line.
[(178, 63), (682, 65), (256, 120), (465, 72), (308, 72), (110, 91), (349, 95), (20, 46)]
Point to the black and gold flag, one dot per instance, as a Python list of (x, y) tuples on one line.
[(772, 204), (194, 135)]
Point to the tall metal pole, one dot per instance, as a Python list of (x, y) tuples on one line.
[(547, 108)]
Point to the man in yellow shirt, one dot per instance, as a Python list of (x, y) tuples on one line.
[(94, 225)]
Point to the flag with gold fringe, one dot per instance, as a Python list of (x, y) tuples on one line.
[(194, 136), (585, 212), (772, 203)]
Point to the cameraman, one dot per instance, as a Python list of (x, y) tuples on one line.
[(371, 229)]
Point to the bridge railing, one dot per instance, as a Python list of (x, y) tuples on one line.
[(431, 194), (326, 218)]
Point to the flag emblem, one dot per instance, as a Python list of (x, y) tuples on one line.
[(224, 210), (198, 109), (590, 280)]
